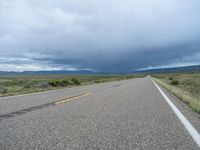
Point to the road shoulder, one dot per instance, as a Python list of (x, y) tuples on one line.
[(189, 114)]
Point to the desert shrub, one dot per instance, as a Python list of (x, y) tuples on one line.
[(96, 81), (171, 78), (65, 83), (3, 90), (174, 82), (61, 83), (75, 81), (15, 82), (43, 85), (54, 83), (29, 84), (129, 77), (191, 81)]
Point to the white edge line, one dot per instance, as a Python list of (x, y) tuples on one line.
[(192, 131)]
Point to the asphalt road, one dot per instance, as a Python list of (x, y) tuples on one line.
[(130, 114)]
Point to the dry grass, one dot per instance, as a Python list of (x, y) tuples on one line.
[(22, 84), (186, 96)]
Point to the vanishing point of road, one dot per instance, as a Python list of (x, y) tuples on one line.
[(130, 114)]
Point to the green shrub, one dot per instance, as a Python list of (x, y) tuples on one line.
[(61, 83), (97, 81), (29, 84), (174, 82), (65, 83), (129, 77), (15, 82), (54, 83), (75, 81), (171, 78), (3, 90), (43, 85)]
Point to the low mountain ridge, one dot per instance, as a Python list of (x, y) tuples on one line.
[(79, 72)]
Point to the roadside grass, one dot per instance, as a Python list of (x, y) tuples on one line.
[(22, 84), (185, 86)]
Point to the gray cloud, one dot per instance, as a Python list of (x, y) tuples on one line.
[(113, 35)]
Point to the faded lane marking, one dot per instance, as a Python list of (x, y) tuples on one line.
[(34, 108), (192, 131), (72, 98)]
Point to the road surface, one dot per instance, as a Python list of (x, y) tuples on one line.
[(130, 114)]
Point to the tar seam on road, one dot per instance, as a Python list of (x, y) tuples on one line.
[(24, 111), (192, 131)]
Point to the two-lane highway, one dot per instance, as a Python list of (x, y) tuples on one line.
[(129, 114)]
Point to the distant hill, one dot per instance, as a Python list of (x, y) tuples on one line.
[(174, 69), (46, 72), (165, 70)]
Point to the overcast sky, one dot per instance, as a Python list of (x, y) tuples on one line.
[(103, 35)]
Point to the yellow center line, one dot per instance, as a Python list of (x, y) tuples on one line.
[(72, 98)]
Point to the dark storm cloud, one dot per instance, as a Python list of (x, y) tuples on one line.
[(113, 35)]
